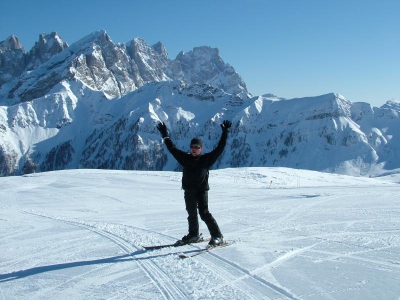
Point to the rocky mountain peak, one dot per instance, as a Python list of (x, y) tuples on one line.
[(10, 44), (114, 69), (150, 64), (160, 49), (204, 64), (12, 59), (45, 48)]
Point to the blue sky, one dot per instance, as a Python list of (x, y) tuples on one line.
[(292, 48)]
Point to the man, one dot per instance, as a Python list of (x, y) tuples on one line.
[(195, 182)]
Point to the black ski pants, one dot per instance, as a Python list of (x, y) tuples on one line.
[(199, 200)]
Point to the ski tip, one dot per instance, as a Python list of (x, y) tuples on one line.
[(183, 255), (224, 244)]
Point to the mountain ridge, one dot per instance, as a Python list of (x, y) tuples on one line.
[(95, 104)]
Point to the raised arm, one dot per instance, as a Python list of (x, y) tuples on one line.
[(214, 154), (176, 153)]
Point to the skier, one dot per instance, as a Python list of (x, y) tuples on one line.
[(195, 182)]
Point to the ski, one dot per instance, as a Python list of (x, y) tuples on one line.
[(205, 250), (160, 246), (176, 244)]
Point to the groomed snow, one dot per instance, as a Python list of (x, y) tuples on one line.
[(295, 234)]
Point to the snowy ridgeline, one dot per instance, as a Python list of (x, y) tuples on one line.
[(75, 127), (295, 234), (95, 104)]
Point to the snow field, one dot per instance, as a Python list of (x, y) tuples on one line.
[(296, 234)]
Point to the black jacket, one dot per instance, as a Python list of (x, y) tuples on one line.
[(195, 168)]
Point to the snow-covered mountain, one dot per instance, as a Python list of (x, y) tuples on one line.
[(114, 69), (95, 104), (294, 234)]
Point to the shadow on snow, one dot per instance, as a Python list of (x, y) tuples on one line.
[(43, 269)]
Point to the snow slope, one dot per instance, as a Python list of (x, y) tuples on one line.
[(296, 234)]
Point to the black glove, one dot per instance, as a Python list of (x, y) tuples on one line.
[(226, 126), (162, 128)]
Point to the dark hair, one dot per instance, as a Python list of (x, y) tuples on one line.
[(196, 142)]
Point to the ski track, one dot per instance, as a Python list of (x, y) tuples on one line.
[(255, 286), (283, 258), (251, 285), (353, 255), (167, 288)]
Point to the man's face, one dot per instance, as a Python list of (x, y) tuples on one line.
[(195, 150)]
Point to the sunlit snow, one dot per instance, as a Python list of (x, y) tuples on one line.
[(295, 234)]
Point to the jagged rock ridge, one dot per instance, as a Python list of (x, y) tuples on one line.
[(114, 69), (95, 104)]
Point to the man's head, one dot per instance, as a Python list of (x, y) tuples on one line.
[(196, 146)]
